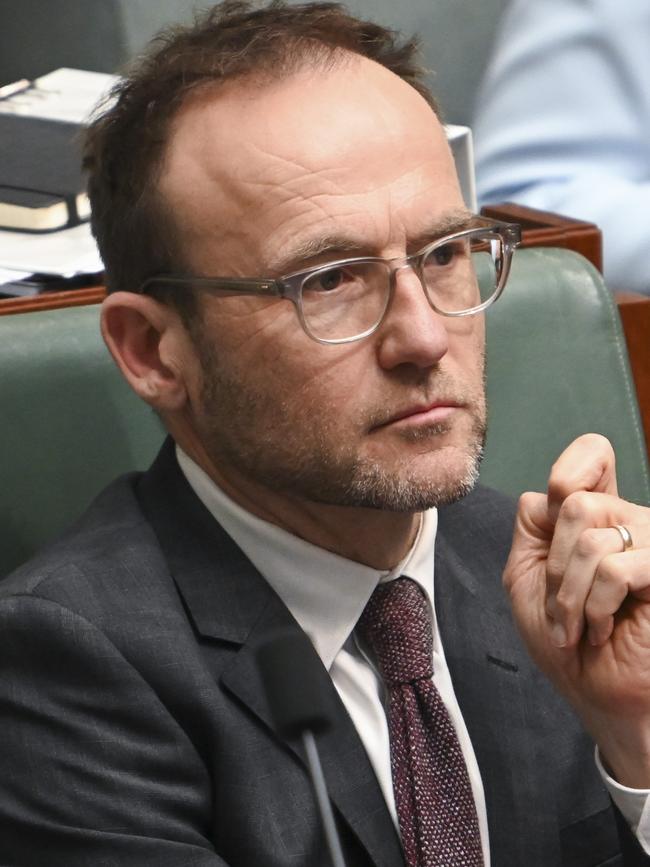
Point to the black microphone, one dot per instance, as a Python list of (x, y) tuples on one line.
[(290, 672)]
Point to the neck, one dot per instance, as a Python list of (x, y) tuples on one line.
[(376, 538)]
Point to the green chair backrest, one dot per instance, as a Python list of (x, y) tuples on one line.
[(68, 425), (557, 368)]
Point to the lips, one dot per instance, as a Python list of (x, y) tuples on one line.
[(420, 410), (422, 413)]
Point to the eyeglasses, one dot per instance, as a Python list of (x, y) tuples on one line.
[(462, 274)]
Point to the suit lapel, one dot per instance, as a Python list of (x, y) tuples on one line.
[(228, 600), (351, 781), (494, 684)]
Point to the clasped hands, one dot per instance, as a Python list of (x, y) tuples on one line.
[(580, 594)]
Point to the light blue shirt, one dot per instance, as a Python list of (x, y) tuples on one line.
[(563, 122)]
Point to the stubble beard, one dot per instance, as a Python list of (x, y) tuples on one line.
[(278, 446), (372, 487)]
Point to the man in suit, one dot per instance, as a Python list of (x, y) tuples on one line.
[(297, 289)]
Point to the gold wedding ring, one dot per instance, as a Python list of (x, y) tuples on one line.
[(626, 536)]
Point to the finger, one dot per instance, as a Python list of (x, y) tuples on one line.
[(588, 464), (531, 536), (567, 607), (617, 576), (579, 512)]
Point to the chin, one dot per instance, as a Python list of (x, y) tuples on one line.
[(435, 479)]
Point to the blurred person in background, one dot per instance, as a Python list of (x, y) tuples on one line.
[(563, 122)]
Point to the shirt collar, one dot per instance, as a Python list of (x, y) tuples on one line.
[(326, 593)]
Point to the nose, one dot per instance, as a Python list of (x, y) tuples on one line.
[(412, 332)]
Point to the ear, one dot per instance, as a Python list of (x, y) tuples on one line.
[(148, 342)]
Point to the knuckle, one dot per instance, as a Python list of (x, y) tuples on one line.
[(588, 544), (526, 501), (577, 506), (563, 604), (611, 571)]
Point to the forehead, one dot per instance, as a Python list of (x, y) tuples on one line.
[(349, 149)]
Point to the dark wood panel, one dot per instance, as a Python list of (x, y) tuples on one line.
[(545, 229), (635, 316)]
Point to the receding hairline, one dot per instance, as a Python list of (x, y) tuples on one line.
[(207, 94), (233, 42), (326, 58)]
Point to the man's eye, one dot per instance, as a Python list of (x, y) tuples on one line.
[(327, 281), (333, 279), (442, 255)]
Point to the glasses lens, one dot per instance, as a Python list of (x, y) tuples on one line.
[(463, 273), (345, 301)]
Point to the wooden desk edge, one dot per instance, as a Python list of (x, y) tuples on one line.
[(53, 300)]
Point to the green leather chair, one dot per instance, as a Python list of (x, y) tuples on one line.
[(68, 424), (557, 367)]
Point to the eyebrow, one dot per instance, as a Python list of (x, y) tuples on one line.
[(333, 247), (457, 221)]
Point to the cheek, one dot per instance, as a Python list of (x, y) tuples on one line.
[(253, 337), (263, 343), (467, 344), (325, 386), (250, 325), (327, 382)]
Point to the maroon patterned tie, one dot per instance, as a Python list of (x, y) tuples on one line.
[(435, 806)]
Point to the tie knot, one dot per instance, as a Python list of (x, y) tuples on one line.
[(397, 626)]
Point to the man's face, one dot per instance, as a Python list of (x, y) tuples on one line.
[(347, 161)]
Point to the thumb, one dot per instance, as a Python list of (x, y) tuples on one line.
[(588, 464)]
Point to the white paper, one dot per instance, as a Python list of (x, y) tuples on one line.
[(9, 276), (65, 94), (462, 147), (65, 253)]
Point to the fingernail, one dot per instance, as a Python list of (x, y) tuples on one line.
[(558, 635)]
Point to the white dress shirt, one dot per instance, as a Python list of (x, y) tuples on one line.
[(326, 594)]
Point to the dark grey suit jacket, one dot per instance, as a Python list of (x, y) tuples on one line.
[(134, 728)]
